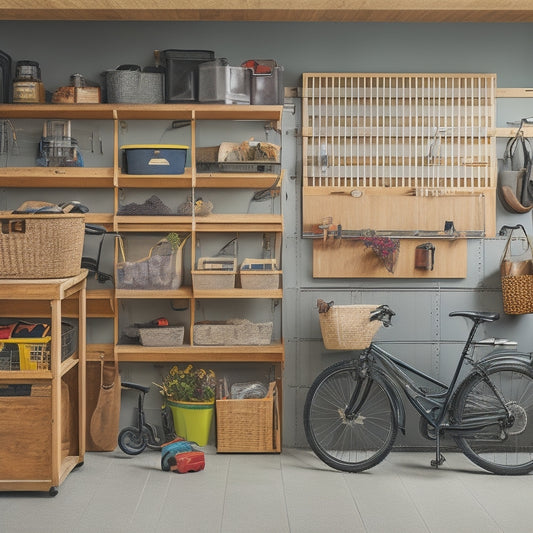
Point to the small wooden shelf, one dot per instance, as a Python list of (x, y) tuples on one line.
[(182, 292), (239, 293), (240, 223), (57, 177), (271, 353)]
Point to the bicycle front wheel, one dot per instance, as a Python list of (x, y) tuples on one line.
[(348, 443), (505, 448)]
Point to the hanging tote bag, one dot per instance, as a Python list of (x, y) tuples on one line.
[(515, 188), (516, 272), (162, 269), (104, 424)]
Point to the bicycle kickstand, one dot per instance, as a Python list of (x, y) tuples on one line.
[(439, 458)]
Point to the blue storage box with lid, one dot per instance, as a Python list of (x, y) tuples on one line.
[(154, 158)]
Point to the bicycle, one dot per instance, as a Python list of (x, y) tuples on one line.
[(133, 440), (354, 408)]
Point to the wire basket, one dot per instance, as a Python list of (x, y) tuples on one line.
[(34, 353), (348, 327)]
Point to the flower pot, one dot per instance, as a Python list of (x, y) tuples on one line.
[(192, 420)]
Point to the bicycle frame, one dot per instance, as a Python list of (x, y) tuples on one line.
[(380, 365)]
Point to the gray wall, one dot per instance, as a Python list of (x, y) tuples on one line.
[(422, 330)]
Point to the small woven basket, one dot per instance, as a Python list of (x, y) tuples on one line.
[(517, 293), (348, 327), (250, 425)]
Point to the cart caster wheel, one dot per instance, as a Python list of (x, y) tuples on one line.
[(53, 491), (79, 465)]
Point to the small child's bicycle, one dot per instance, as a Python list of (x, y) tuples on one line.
[(133, 440)]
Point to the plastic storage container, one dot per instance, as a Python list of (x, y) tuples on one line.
[(181, 80), (266, 82), (154, 158), (223, 84)]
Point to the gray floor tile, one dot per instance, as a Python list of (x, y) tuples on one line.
[(292, 492)]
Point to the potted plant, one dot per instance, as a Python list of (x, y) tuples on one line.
[(190, 394)]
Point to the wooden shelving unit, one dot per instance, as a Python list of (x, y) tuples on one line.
[(42, 434), (105, 303)]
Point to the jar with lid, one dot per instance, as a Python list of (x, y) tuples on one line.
[(27, 86)]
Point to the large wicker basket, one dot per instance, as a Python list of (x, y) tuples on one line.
[(39, 246), (250, 425), (348, 327)]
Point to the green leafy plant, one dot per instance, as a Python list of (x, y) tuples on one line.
[(188, 385), (174, 239)]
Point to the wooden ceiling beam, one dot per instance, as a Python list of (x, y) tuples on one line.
[(274, 10)]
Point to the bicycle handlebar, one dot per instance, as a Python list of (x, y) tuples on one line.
[(383, 313)]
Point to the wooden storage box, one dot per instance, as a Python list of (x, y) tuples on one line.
[(259, 274), (236, 332), (248, 426)]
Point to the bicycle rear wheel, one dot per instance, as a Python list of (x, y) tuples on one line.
[(350, 444), (496, 448)]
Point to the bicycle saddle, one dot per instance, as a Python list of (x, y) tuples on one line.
[(480, 316), (135, 386)]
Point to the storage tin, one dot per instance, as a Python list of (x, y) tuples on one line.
[(154, 158), (223, 84)]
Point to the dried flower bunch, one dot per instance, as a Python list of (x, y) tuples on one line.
[(189, 385)]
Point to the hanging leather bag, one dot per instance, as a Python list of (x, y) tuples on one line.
[(104, 423), (515, 185), (516, 272)]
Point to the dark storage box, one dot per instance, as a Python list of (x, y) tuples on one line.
[(181, 80), (154, 158)]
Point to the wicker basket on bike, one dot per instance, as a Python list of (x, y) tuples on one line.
[(347, 327)]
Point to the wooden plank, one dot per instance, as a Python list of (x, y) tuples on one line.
[(276, 10), (384, 211), (351, 259)]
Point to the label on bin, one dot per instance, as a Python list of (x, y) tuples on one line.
[(159, 161)]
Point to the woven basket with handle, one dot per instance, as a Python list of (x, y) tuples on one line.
[(41, 246), (348, 327)]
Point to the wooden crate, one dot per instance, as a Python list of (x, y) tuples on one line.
[(248, 426)]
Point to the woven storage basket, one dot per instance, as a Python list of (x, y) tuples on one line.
[(517, 293), (232, 333), (41, 246), (250, 425), (259, 274), (162, 336), (348, 327)]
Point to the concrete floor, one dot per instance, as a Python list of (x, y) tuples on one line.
[(291, 492)]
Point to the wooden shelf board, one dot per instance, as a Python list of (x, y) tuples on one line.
[(241, 180), (24, 376), (152, 181), (238, 293), (57, 177), (146, 224), (272, 353), (216, 222), (143, 111), (182, 292)]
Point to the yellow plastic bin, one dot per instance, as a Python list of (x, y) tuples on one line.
[(192, 420)]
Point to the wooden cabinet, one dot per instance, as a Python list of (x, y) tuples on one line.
[(109, 302), (42, 412)]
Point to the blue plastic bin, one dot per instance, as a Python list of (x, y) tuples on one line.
[(154, 158)]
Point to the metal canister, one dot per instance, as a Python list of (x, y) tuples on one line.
[(27, 86)]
